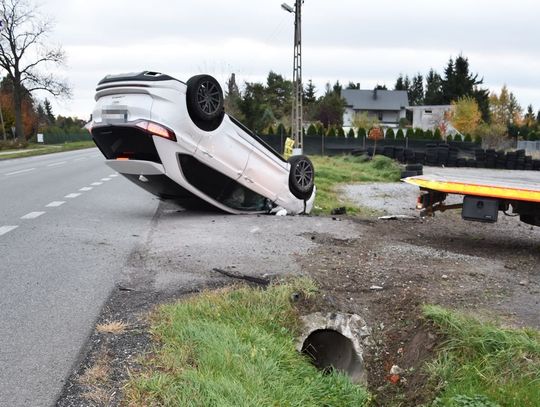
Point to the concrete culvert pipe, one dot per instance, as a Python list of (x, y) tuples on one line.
[(336, 341)]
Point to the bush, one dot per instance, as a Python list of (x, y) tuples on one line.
[(410, 133), (428, 135), (419, 134), (340, 132), (467, 138), (331, 132), (457, 137), (281, 129), (390, 134), (312, 130), (350, 134), (437, 134), (533, 136), (400, 135), (270, 130), (362, 133)]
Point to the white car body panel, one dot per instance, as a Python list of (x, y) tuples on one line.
[(228, 149)]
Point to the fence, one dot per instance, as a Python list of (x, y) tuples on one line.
[(529, 146), (318, 145), (63, 138)]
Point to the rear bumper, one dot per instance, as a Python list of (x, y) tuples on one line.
[(136, 167)]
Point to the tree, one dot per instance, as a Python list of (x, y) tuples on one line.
[(529, 119), (330, 107), (353, 85), (402, 83), (233, 98), (340, 132), (399, 134), (504, 108), (361, 132), (24, 50), (465, 115), (390, 134), (363, 120), (309, 93), (433, 95), (416, 91), (381, 87), (410, 133), (312, 130), (351, 134), (48, 111), (437, 135), (278, 95)]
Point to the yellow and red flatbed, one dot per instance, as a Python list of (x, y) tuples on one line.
[(519, 189)]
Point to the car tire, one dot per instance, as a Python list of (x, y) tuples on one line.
[(204, 100), (301, 177)]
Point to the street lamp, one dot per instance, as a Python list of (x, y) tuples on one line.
[(298, 89)]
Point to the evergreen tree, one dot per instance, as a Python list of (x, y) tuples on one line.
[(400, 135), (437, 134), (433, 95), (400, 83), (381, 87), (309, 93), (529, 119), (390, 134), (281, 130), (416, 91), (340, 132), (353, 85), (270, 130), (419, 134), (48, 111), (331, 132), (410, 133), (312, 130), (362, 132), (350, 134), (428, 134)]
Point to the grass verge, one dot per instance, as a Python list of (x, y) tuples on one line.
[(40, 149), (483, 365), (235, 347), (332, 172)]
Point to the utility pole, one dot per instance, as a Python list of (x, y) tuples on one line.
[(298, 89)]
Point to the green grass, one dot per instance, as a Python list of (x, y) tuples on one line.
[(235, 347), (482, 364), (40, 149), (331, 172)]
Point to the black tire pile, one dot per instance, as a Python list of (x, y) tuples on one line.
[(439, 155)]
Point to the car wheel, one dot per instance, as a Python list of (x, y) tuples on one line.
[(301, 176), (204, 99)]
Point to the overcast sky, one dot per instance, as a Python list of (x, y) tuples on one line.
[(362, 41)]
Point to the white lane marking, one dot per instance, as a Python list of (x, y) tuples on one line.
[(6, 229), (32, 215), (55, 204), (20, 171), (71, 196), (84, 189), (105, 179), (96, 184), (80, 159), (57, 163), (113, 175)]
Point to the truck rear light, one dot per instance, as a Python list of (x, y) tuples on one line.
[(156, 130)]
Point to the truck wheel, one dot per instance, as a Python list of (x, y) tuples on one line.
[(301, 176), (204, 100)]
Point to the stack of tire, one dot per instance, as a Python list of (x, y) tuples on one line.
[(452, 156), (412, 170), (431, 155)]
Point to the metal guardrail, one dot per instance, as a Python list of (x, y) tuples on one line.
[(528, 146)]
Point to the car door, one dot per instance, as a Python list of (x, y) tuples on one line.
[(225, 151), (266, 174)]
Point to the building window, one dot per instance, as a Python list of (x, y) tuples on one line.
[(380, 116), (428, 111)]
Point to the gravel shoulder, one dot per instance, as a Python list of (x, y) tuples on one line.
[(382, 270)]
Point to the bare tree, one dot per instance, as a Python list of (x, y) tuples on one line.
[(24, 49)]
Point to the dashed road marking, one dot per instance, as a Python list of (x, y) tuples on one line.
[(32, 215), (84, 189), (55, 204), (55, 164), (96, 184), (80, 159), (105, 179), (20, 171), (71, 196), (6, 229), (113, 175)]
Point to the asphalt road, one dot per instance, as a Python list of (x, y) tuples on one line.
[(67, 225)]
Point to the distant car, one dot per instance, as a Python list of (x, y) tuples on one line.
[(174, 140)]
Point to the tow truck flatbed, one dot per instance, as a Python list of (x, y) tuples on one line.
[(519, 189)]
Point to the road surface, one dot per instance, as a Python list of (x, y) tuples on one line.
[(67, 225)]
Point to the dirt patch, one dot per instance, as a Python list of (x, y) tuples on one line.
[(399, 265), (382, 270)]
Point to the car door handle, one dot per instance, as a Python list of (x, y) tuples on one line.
[(206, 153)]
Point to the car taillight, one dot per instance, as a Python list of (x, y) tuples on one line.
[(156, 129)]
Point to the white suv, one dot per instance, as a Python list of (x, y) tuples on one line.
[(175, 140)]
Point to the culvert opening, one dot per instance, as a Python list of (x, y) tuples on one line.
[(329, 349)]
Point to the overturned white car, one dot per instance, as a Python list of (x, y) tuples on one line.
[(174, 140)]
